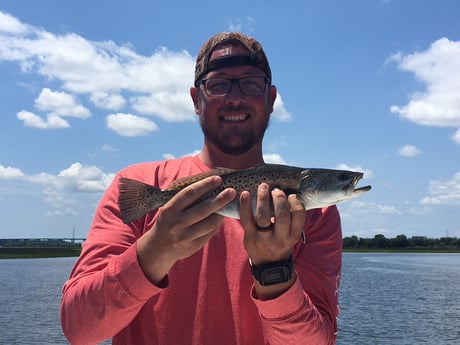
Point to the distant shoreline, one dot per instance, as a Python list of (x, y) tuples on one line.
[(39, 252), (74, 251), (404, 251), (20, 248)]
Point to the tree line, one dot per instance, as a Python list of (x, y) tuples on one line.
[(402, 242)]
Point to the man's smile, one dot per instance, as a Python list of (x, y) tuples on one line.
[(234, 117)]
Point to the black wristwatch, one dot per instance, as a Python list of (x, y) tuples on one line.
[(274, 272)]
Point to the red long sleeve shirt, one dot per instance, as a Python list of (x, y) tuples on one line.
[(207, 298)]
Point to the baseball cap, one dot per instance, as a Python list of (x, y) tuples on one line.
[(256, 57)]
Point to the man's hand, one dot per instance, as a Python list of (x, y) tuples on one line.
[(271, 238), (183, 226)]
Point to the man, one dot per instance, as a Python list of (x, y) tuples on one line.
[(185, 275)]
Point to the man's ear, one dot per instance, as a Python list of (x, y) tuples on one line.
[(272, 96), (196, 101)]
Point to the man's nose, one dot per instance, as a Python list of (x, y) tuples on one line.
[(235, 94)]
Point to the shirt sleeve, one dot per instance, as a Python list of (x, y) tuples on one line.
[(307, 312), (107, 286)]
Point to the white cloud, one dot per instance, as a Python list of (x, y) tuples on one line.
[(35, 121), (8, 173), (106, 100), (84, 178), (360, 207), (279, 111), (76, 178), (445, 192), (129, 125), (102, 72), (245, 24), (60, 104), (274, 158), (10, 24), (57, 105), (456, 136), (59, 190), (174, 107), (101, 69), (437, 69), (409, 151)]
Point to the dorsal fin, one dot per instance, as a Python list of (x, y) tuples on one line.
[(185, 181)]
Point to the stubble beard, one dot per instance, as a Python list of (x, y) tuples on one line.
[(234, 141)]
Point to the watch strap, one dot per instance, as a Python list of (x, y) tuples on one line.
[(274, 272)]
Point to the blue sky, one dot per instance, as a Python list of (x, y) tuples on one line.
[(90, 87)]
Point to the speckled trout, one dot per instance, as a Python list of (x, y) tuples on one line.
[(316, 188)]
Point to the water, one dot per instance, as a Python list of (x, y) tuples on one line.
[(386, 299), (400, 299), (30, 300)]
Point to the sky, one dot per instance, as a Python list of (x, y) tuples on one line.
[(90, 87)]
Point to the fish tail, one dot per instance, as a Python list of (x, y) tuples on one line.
[(136, 199)]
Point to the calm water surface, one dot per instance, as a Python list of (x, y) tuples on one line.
[(30, 298), (386, 299), (400, 299)]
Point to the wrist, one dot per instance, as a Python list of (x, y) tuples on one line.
[(273, 273), (154, 265), (264, 293)]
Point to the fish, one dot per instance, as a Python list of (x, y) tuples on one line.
[(315, 187)]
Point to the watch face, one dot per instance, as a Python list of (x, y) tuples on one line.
[(275, 275)]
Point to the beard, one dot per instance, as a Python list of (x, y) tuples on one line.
[(235, 140)]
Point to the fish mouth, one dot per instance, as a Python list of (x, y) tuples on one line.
[(361, 190)]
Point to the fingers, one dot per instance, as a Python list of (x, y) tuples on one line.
[(192, 193), (213, 204), (289, 213), (264, 208), (186, 222), (298, 214), (184, 225), (275, 242), (186, 204), (282, 211), (246, 214)]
